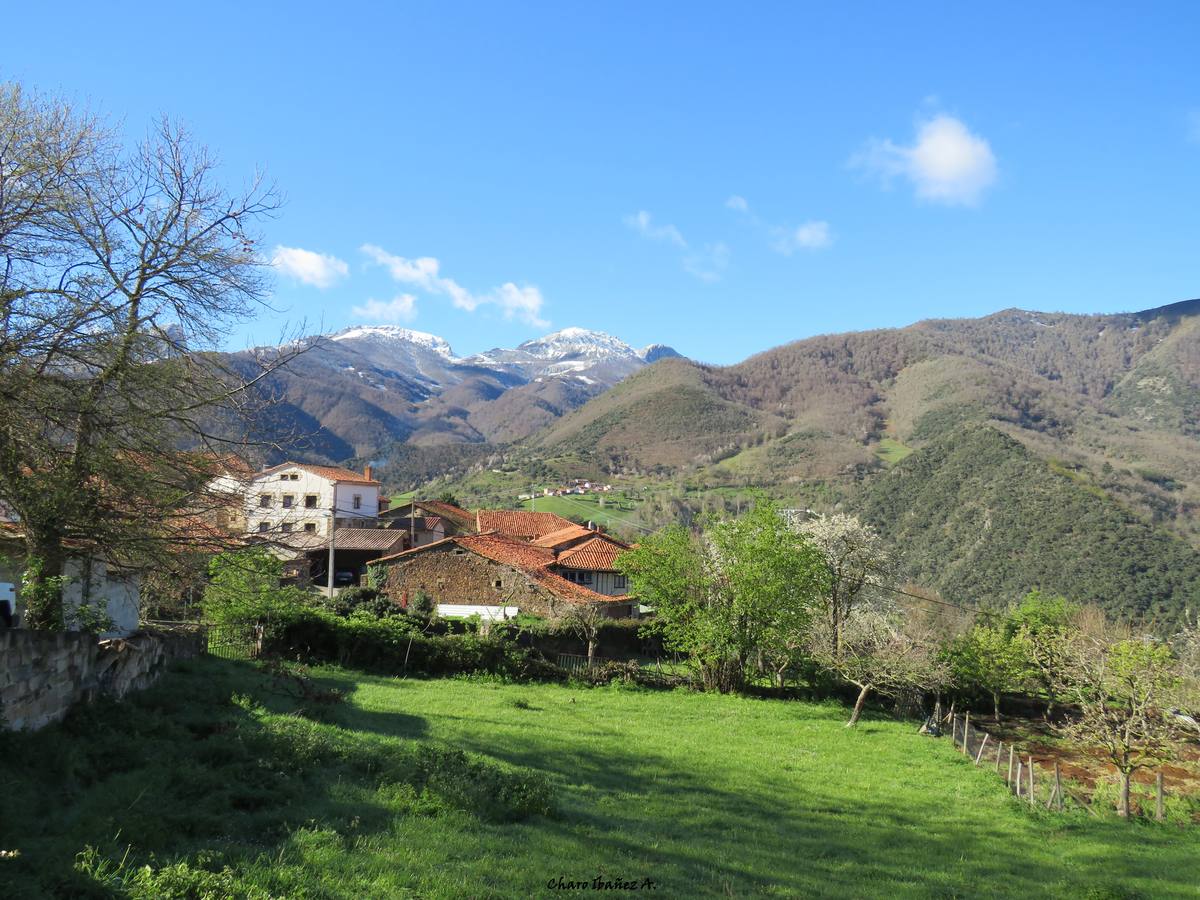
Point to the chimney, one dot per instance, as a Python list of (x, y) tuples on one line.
[(367, 473)]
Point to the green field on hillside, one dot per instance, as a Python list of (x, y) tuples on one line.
[(210, 784), (616, 514)]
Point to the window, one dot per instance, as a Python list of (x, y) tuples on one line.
[(264, 526), (264, 501), (295, 476), (288, 500), (286, 526), (620, 582), (358, 501), (310, 501), (577, 576), (497, 583), (310, 526), (283, 476)]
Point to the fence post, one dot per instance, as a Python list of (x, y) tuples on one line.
[(1018, 782), (1008, 780), (1158, 799), (999, 750), (979, 755), (1058, 788), (966, 731), (953, 730), (1032, 799)]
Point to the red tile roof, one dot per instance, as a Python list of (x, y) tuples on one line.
[(597, 553), (459, 516), (519, 522), (333, 473), (534, 561), (563, 537)]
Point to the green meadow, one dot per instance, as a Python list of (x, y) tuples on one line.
[(222, 781)]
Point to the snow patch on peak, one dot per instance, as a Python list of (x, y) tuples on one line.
[(577, 342), (394, 333)]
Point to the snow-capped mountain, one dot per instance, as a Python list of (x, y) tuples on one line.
[(369, 385)]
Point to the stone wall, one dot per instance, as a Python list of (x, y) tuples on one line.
[(43, 674), (452, 575)]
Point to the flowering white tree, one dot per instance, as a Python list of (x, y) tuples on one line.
[(858, 561)]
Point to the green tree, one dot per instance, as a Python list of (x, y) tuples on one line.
[(987, 658), (722, 594), (244, 588), (1041, 627)]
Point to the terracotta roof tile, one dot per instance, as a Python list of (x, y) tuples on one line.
[(520, 522), (598, 554), (333, 473), (562, 537), (455, 514)]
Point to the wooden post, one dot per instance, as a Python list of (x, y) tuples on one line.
[(979, 755), (999, 750), (1158, 799), (1032, 801), (1058, 788), (1008, 780), (966, 731), (1018, 782), (953, 730)]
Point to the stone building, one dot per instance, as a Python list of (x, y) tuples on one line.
[(491, 575)]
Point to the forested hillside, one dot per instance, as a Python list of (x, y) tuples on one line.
[(978, 517), (1002, 453)]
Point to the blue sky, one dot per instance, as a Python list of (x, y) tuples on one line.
[(714, 177)]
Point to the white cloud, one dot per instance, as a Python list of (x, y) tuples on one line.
[(946, 163), (708, 264), (401, 308), (785, 239), (813, 235), (643, 225), (318, 269), (424, 273)]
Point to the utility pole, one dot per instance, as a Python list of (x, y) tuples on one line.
[(533, 498), (332, 529), (412, 523)]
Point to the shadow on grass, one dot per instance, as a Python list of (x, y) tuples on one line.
[(215, 762)]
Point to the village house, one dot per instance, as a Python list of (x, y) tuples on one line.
[(494, 576), (302, 497), (587, 557)]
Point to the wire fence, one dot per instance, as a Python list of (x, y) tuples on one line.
[(1037, 781)]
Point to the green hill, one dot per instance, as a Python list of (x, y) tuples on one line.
[(981, 519)]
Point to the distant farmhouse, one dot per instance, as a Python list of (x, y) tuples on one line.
[(497, 576)]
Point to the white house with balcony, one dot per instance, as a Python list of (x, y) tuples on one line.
[(298, 497)]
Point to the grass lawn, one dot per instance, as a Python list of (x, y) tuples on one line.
[(891, 451), (705, 795)]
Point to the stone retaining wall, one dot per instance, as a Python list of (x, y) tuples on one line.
[(43, 674)]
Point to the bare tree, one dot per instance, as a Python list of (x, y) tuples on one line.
[(120, 272), (585, 620), (1124, 688), (880, 652), (857, 560)]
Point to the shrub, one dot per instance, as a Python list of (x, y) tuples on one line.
[(395, 644)]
